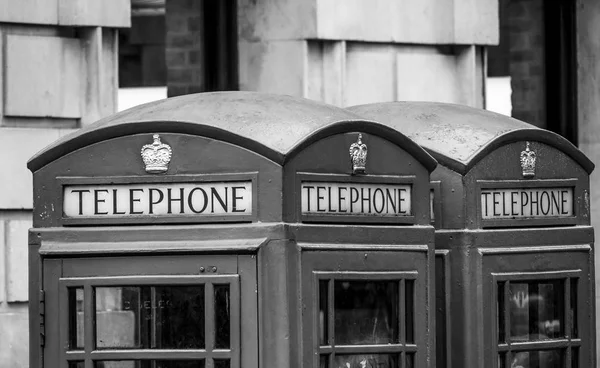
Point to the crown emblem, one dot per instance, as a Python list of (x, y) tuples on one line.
[(358, 155), (156, 156), (528, 162)]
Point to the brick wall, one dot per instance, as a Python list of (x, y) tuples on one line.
[(184, 47), (527, 64)]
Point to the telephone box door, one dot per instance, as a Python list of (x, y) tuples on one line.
[(151, 312)]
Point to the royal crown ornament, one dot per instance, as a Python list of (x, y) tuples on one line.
[(156, 156), (358, 155), (528, 162)]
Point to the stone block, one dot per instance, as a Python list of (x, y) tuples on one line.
[(105, 13), (16, 260), (14, 339), (370, 73), (2, 261), (274, 67), (276, 20), (476, 22), (424, 73), (43, 76), (29, 11), (16, 193)]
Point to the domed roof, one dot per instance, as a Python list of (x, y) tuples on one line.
[(460, 136), (274, 126)]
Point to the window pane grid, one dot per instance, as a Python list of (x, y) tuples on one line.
[(210, 356), (396, 354), (559, 351)]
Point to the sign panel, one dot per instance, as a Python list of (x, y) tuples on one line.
[(526, 203), (160, 199), (343, 199)]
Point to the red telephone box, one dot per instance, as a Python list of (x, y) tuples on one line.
[(229, 230), (514, 245)]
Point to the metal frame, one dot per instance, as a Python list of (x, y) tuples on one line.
[(331, 349), (163, 179), (568, 343), (91, 354)]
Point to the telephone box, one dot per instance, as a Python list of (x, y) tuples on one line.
[(514, 245), (227, 230)]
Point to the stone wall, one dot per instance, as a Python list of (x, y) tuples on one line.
[(58, 71)]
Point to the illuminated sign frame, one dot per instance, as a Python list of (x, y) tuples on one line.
[(526, 186), (196, 185), (354, 181)]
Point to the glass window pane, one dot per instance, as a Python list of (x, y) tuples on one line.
[(502, 360), (538, 359), (151, 364), (410, 310), (536, 310), (366, 312), (119, 315), (222, 317), (76, 365), (179, 317), (573, 312), (574, 358), (162, 317), (222, 363), (410, 360), (76, 318), (324, 361), (323, 312), (366, 361), (500, 312)]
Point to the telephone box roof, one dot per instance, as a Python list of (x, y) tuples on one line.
[(459, 136), (274, 126)]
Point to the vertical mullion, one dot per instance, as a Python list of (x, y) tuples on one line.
[(402, 313), (234, 322), (153, 326), (89, 314), (209, 322), (506, 307), (567, 315), (65, 316), (567, 309), (331, 319)]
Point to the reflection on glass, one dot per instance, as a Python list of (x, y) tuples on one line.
[(162, 317), (366, 361), (537, 359), (323, 313), (500, 312), (151, 364), (410, 360), (573, 308), (366, 312), (502, 360), (574, 358), (76, 365), (222, 363), (324, 361), (222, 317), (536, 310), (76, 318), (410, 310)]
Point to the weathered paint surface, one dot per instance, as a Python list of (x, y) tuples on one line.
[(478, 151), (277, 142)]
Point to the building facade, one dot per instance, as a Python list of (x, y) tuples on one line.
[(63, 62)]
